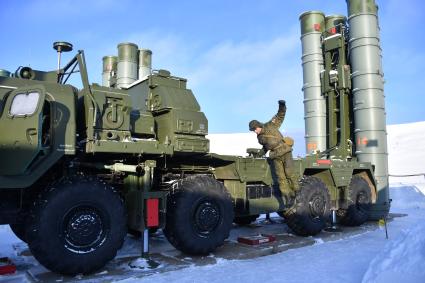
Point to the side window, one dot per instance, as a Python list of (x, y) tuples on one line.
[(24, 104)]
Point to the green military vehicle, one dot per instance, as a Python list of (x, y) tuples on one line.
[(81, 168)]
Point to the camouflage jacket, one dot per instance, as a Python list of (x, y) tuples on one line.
[(271, 138)]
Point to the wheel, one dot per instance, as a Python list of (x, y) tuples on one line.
[(76, 226), (359, 202), (308, 216), (199, 215), (245, 220), (19, 229)]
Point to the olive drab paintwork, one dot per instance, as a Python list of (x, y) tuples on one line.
[(109, 70), (280, 153), (334, 21), (312, 27), (127, 64), (144, 133), (336, 87), (312, 21), (271, 138), (352, 85), (370, 134), (32, 142), (362, 7), (155, 118), (145, 63)]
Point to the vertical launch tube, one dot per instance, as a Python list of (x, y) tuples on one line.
[(145, 63), (109, 70), (368, 96), (312, 26), (334, 21), (127, 64)]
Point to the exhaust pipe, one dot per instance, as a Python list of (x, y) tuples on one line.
[(127, 64), (109, 70), (145, 63)]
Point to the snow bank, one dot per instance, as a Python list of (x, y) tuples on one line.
[(406, 152), (401, 260), (6, 242), (406, 197), (404, 146), (233, 144), (237, 143)]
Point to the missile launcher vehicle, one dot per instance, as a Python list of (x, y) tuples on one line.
[(80, 168)]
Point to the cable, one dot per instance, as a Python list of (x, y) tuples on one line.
[(409, 175)]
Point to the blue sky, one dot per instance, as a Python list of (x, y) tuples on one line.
[(239, 57)]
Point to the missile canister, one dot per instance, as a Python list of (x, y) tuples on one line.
[(109, 70), (312, 26), (127, 64), (368, 96), (145, 63), (334, 21)]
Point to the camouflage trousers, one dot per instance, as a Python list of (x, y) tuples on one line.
[(285, 173)]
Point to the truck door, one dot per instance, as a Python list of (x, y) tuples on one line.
[(20, 129)]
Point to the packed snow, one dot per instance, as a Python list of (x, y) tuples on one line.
[(365, 257), (402, 259)]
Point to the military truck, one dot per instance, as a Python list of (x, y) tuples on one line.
[(81, 168)]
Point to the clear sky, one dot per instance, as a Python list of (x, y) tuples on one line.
[(239, 57)]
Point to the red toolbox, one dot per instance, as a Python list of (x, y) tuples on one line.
[(257, 239), (6, 266)]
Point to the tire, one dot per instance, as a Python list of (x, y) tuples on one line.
[(245, 220), (19, 229), (76, 226), (359, 203), (199, 215), (311, 210)]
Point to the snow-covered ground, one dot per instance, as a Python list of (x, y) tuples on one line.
[(366, 257)]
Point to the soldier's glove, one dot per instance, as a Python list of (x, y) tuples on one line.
[(282, 103)]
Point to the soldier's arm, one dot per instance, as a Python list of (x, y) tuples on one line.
[(277, 119)]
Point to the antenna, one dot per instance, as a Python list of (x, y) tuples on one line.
[(61, 46)]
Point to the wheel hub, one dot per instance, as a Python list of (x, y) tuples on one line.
[(362, 201), (317, 206), (207, 217), (84, 229)]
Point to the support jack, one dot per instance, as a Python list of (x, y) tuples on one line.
[(145, 262), (334, 228)]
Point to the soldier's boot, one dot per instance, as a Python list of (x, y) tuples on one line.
[(287, 193)]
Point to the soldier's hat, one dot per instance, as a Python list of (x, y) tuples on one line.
[(255, 124)]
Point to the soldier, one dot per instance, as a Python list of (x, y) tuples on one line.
[(270, 138)]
